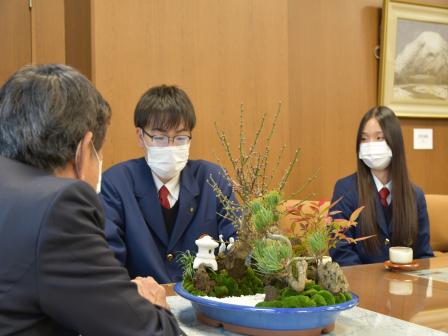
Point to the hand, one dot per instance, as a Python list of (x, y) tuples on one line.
[(149, 289)]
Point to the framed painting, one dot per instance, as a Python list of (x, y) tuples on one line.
[(414, 59)]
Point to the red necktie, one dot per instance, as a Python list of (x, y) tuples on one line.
[(384, 192), (163, 197)]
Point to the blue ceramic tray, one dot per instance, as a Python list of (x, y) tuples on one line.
[(280, 319)]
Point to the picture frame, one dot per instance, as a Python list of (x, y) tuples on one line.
[(414, 59)]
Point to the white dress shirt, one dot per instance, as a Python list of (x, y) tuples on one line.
[(172, 185), (379, 185)]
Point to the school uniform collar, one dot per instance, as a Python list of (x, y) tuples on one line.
[(172, 185), (146, 193), (144, 182), (379, 185)]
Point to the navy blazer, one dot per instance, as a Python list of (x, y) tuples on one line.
[(135, 228), (353, 254), (58, 275)]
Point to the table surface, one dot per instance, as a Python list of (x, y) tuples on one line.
[(391, 303), (419, 296)]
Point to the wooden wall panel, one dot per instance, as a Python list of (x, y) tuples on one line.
[(314, 56), (332, 83), (222, 53), (48, 31), (15, 37), (78, 50)]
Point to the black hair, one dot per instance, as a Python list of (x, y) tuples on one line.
[(45, 111), (165, 107), (404, 215)]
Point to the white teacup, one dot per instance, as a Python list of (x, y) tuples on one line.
[(401, 255)]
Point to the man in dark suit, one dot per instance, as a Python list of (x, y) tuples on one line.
[(57, 273)]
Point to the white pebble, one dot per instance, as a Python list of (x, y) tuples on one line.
[(245, 300)]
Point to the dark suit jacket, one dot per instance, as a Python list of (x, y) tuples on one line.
[(135, 228), (352, 254), (57, 273)]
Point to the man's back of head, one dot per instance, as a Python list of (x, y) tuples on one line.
[(45, 111)]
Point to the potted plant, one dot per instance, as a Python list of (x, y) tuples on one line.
[(288, 269)]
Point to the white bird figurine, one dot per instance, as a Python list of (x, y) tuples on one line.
[(231, 241), (222, 245)]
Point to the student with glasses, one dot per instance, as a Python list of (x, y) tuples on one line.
[(158, 205)]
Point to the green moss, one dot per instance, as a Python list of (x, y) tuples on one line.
[(251, 284), (263, 304), (308, 298), (317, 287), (270, 304), (288, 291), (319, 300), (276, 304), (221, 291), (309, 284), (298, 301), (340, 298), (329, 298), (348, 296), (225, 285), (198, 293), (309, 292)]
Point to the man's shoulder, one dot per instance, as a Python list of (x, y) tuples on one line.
[(23, 180), (30, 195), (54, 190)]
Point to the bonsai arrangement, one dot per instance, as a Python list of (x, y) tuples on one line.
[(289, 268)]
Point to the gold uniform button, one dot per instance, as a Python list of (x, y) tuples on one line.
[(191, 210), (169, 257)]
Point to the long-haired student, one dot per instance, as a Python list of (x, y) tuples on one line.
[(395, 209)]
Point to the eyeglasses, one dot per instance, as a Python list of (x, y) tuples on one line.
[(164, 140)]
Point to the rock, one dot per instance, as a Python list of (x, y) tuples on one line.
[(331, 277), (202, 280), (271, 292)]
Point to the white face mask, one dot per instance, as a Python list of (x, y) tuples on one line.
[(100, 166), (375, 154), (100, 169), (167, 162)]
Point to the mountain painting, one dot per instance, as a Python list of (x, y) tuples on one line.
[(421, 62)]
